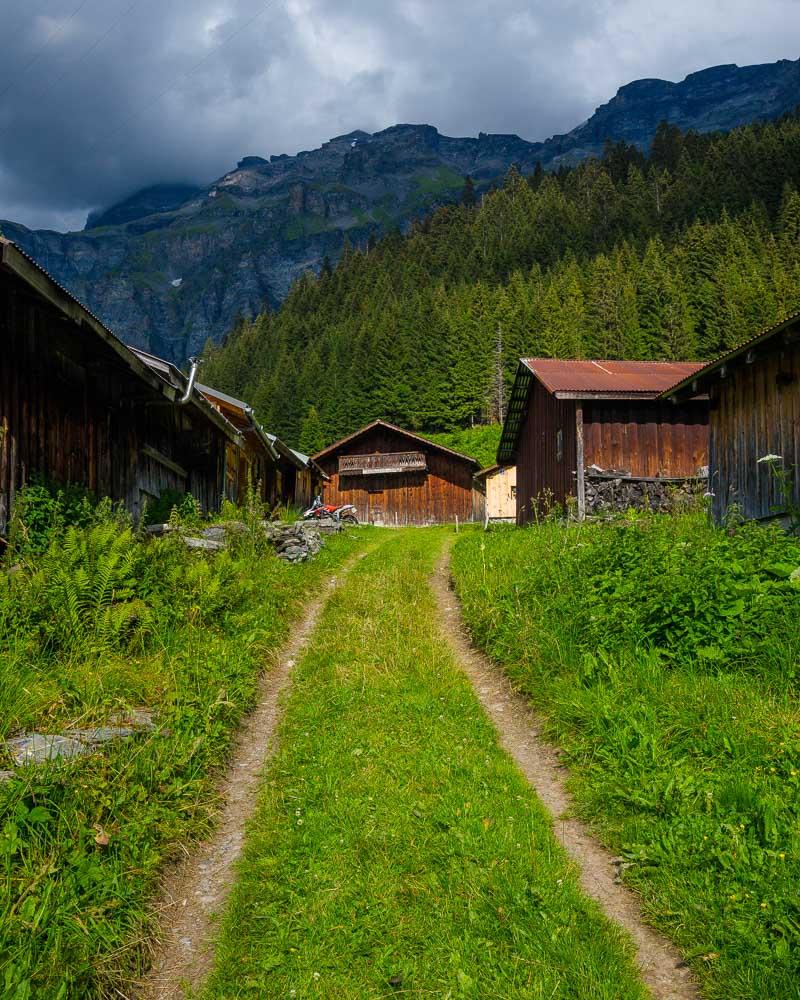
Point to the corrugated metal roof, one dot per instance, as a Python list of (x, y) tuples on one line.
[(586, 379), (707, 369), (640, 378)]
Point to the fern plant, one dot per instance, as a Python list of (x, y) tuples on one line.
[(92, 587)]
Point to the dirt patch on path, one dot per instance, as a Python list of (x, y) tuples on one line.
[(663, 970), (197, 888)]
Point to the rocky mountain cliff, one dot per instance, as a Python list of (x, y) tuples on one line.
[(174, 264)]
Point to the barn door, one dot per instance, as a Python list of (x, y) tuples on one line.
[(377, 509)]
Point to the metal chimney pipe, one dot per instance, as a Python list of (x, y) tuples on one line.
[(195, 364)]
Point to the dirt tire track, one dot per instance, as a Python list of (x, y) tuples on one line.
[(196, 889), (662, 967)]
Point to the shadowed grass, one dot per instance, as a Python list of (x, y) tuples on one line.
[(396, 850)]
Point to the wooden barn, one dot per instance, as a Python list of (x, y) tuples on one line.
[(754, 402), (497, 486), (257, 461), (570, 420), (77, 407), (394, 477)]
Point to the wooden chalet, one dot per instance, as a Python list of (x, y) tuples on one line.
[(567, 417), (77, 407), (497, 486), (395, 477), (754, 402)]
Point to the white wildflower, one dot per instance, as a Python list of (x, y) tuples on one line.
[(770, 458)]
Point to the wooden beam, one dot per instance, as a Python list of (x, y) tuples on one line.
[(580, 461), (162, 459)]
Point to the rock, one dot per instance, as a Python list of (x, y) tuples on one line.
[(36, 748), (101, 734), (203, 545), (140, 718), (216, 533), (157, 530), (6, 776)]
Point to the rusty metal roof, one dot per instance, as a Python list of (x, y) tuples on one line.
[(585, 379), (636, 378), (686, 383)]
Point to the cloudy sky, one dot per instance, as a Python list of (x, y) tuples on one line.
[(101, 97)]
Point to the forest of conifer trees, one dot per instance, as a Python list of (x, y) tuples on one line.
[(677, 255)]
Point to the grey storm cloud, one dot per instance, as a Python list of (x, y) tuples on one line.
[(101, 97)]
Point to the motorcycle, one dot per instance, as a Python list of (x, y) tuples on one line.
[(345, 512)]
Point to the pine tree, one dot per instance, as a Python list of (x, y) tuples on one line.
[(468, 197), (312, 434)]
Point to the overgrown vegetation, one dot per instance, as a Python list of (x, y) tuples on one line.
[(663, 654), (480, 442), (95, 621), (397, 850), (677, 255)]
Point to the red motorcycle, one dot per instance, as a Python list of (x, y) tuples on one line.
[(345, 512)]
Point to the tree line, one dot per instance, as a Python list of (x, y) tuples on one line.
[(679, 254)]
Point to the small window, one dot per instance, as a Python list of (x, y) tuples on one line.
[(559, 445), (513, 491)]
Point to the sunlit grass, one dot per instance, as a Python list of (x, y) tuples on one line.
[(396, 849), (687, 766)]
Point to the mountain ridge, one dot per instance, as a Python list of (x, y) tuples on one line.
[(172, 265)]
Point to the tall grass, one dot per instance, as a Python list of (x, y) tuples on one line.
[(94, 621), (663, 655)]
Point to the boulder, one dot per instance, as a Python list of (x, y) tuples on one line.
[(203, 545)]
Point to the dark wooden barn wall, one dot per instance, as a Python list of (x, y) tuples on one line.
[(436, 496), (72, 413), (539, 467), (755, 411), (647, 438)]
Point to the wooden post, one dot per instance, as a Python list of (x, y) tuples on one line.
[(580, 461), (456, 523)]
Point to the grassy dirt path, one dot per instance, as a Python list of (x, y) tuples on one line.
[(196, 889), (396, 849), (663, 970)]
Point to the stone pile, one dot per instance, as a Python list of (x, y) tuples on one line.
[(293, 543), (611, 490), (296, 542)]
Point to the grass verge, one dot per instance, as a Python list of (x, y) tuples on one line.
[(396, 850), (97, 621), (663, 655)]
